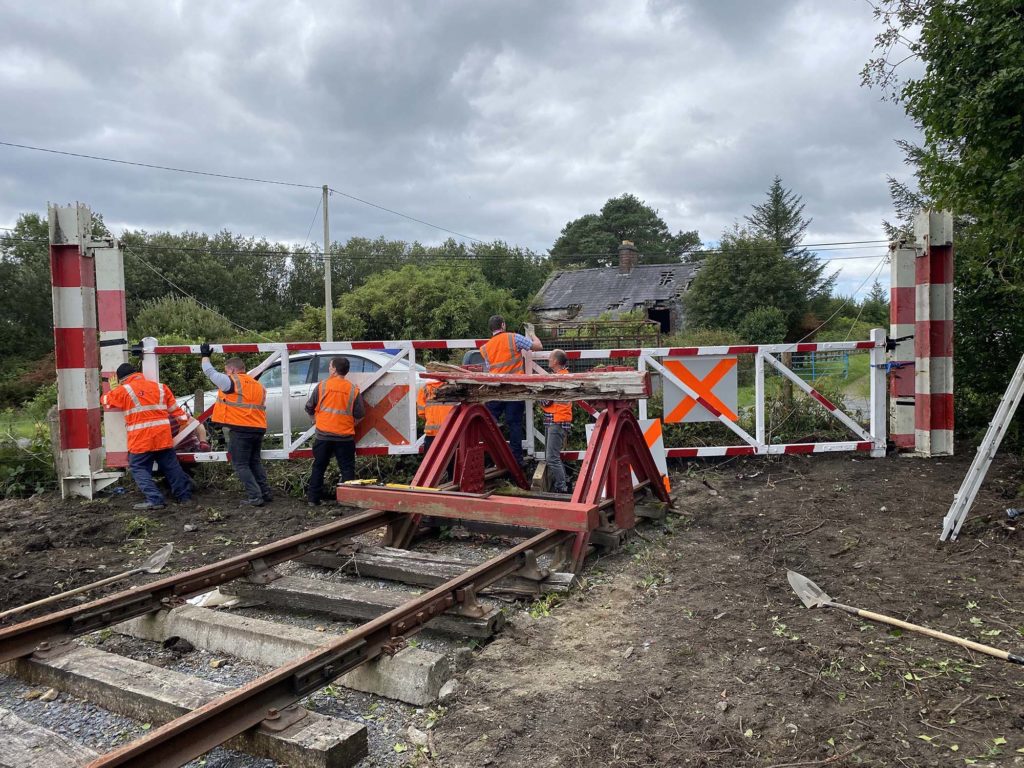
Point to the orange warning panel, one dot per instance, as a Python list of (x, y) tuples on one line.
[(712, 379)]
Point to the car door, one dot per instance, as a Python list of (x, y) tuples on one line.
[(301, 387)]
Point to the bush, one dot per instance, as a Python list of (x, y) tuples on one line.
[(764, 325), (703, 337), (176, 316), (26, 466)]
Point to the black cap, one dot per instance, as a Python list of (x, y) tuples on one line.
[(124, 370)]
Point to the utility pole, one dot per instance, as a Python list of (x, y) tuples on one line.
[(328, 304)]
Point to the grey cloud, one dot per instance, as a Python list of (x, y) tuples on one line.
[(495, 119)]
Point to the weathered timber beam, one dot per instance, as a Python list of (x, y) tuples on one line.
[(482, 387)]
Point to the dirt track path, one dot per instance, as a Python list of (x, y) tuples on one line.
[(692, 650)]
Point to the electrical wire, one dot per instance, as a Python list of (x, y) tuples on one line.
[(252, 179), (181, 290)]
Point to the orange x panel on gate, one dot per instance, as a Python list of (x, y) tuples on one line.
[(376, 416), (704, 387)]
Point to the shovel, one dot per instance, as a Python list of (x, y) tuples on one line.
[(813, 596), (152, 564)]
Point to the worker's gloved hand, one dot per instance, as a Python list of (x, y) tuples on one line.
[(205, 349), (203, 447), (528, 327)]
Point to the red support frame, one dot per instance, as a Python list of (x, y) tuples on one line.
[(466, 439), (616, 454)]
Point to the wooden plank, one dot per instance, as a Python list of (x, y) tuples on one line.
[(424, 569), (467, 387), (525, 510), (25, 744), (152, 694), (354, 601)]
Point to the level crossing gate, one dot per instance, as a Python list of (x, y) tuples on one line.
[(91, 339)]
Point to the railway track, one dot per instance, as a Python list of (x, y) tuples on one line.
[(261, 714), (35, 648)]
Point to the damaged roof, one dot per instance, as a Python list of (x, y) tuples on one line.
[(608, 289)]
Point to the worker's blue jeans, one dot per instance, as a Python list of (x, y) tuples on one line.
[(141, 465), (514, 413)]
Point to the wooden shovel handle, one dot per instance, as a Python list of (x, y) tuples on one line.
[(979, 647), (71, 592)]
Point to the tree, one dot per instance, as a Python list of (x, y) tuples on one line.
[(969, 104), (175, 316), (780, 220), (746, 273), (441, 301), (593, 239), (875, 308), (765, 325), (26, 308)]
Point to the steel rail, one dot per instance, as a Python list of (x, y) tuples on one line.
[(22, 639), (199, 731)]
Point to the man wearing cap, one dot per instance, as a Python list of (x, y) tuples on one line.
[(147, 405)]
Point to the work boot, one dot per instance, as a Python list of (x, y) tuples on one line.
[(146, 506), (267, 499), (252, 503)]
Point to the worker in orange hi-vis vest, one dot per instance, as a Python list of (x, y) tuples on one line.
[(433, 414), (503, 354), (557, 424), (241, 407), (335, 405), (147, 405)]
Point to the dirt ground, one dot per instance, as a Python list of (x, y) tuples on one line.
[(48, 545), (688, 646), (691, 649)]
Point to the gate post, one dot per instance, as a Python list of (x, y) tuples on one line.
[(902, 312), (76, 349), (933, 334), (112, 322)]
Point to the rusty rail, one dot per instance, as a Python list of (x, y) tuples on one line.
[(196, 733), (22, 639)]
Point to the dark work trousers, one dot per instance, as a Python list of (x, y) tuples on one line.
[(554, 441), (245, 448), (343, 451), (141, 465), (514, 413)]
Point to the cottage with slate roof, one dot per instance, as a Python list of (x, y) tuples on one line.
[(587, 294)]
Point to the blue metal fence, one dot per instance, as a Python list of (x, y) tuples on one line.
[(811, 366)]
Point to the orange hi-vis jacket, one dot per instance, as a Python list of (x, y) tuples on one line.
[(146, 405), (501, 354), (335, 406), (246, 406), (433, 414), (561, 413)]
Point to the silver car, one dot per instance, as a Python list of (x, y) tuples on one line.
[(305, 370)]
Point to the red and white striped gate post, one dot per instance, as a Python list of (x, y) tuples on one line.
[(113, 332), (933, 334), (902, 312)]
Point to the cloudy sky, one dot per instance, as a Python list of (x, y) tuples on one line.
[(496, 119)]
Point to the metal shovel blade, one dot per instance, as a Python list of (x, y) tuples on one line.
[(158, 559), (810, 594)]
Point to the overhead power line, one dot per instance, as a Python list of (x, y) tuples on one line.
[(233, 177), (182, 291)]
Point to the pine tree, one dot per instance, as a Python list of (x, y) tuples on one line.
[(780, 219)]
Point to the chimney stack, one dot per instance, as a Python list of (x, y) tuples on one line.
[(628, 257)]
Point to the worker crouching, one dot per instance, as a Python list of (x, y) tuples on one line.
[(335, 405)]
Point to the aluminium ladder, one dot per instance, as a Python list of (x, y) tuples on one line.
[(964, 498)]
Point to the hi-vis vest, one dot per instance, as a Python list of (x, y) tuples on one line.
[(246, 406), (501, 354), (561, 413), (335, 403), (433, 414), (146, 405)]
